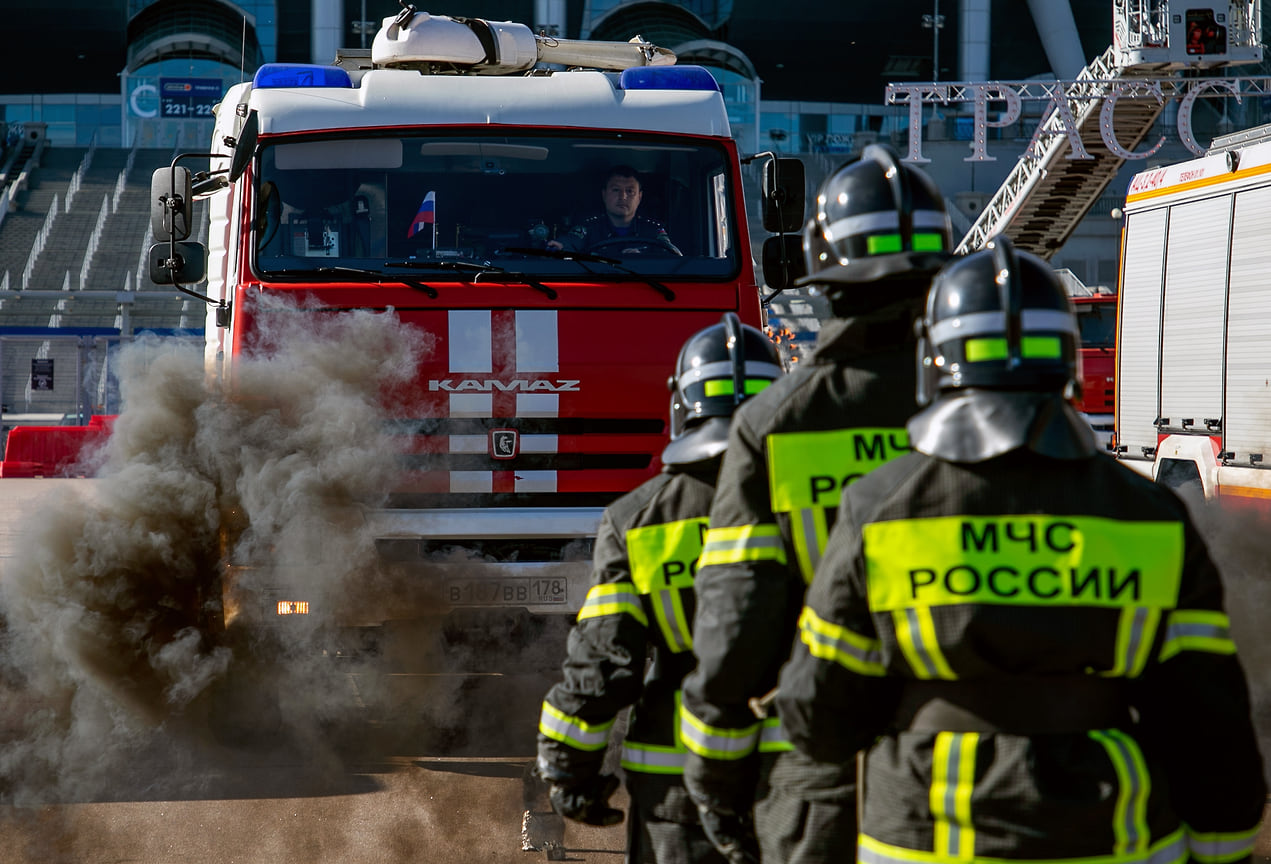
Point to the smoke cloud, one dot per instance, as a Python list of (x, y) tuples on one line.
[(112, 608), (1235, 531)]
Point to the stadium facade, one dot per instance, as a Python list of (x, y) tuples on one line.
[(803, 78)]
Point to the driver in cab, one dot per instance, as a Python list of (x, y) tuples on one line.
[(621, 195)]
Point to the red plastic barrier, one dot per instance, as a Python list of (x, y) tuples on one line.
[(50, 451)]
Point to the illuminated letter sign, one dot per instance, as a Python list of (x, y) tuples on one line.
[(1071, 104)]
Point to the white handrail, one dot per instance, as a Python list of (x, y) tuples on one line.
[(93, 240), (143, 265), (38, 246), (122, 181), (78, 179)]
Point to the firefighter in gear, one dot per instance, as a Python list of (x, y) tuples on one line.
[(880, 233), (641, 607), (1027, 639)]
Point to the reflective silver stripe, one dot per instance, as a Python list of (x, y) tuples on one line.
[(724, 369), (1171, 849), (613, 598), (829, 645), (1197, 630), (559, 726), (652, 759), (1135, 638), (712, 742), (773, 738), (1220, 847), (980, 323), (882, 220), (670, 612), (1132, 800), (740, 545), (1194, 629), (1135, 633), (916, 641), (811, 547), (952, 783)]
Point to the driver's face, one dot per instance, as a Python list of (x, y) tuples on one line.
[(622, 199)]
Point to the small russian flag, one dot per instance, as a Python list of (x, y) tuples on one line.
[(426, 215)]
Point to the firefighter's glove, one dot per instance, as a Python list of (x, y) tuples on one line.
[(733, 835), (586, 801)]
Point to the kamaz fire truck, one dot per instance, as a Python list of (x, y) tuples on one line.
[(430, 175)]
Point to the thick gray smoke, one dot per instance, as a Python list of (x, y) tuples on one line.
[(111, 609), (1235, 531)]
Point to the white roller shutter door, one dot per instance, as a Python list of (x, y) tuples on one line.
[(1139, 351), (1248, 417), (1195, 307)]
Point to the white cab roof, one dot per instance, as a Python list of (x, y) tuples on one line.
[(583, 99)]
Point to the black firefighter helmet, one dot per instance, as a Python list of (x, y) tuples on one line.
[(718, 368), (1000, 339), (1000, 319), (876, 219)]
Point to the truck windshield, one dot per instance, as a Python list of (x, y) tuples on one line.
[(1098, 323), (659, 207)]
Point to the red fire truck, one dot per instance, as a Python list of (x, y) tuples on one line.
[(452, 174), (1096, 308)]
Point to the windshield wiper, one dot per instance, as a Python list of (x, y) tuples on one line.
[(589, 258), (379, 276), (478, 270)]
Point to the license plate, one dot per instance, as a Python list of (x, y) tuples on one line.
[(513, 591)]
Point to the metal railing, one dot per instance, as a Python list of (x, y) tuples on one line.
[(93, 240), (52, 380), (38, 246)]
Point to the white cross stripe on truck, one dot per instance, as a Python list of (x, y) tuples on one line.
[(506, 345)]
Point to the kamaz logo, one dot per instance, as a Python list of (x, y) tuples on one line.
[(492, 385)]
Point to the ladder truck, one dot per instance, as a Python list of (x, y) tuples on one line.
[(1050, 190)]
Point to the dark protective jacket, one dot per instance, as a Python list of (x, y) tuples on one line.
[(1041, 645), (791, 449), (640, 607), (597, 229)]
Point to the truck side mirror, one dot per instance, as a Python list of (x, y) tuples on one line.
[(783, 261), (244, 146), (783, 197), (177, 263), (171, 203)]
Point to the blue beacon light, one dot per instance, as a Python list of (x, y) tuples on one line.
[(668, 78), (300, 75)]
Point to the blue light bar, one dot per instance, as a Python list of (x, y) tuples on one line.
[(300, 75), (668, 78)]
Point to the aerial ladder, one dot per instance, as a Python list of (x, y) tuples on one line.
[(1048, 192)]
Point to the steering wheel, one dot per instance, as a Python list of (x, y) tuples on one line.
[(637, 246)]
